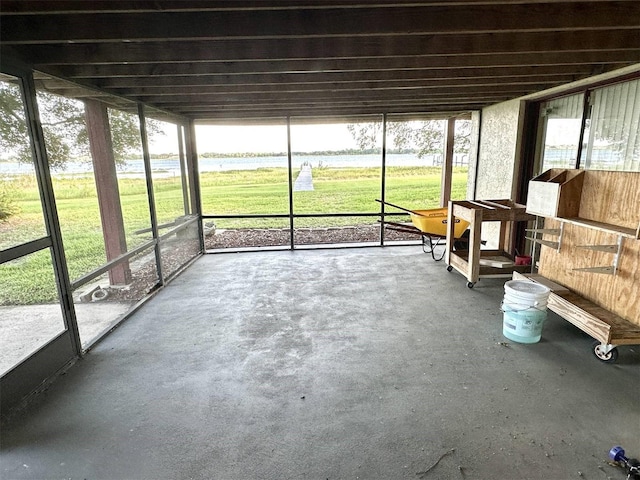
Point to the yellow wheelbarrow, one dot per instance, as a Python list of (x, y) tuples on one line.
[(431, 225)]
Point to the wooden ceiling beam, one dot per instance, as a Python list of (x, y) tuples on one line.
[(335, 48), (274, 99), (319, 23), (403, 63), (188, 110), (321, 110), (562, 73), (259, 58), (334, 87), (64, 7)]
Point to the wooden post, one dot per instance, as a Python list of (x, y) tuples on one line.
[(104, 171), (447, 165)]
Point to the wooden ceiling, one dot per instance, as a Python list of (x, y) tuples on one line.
[(219, 60)]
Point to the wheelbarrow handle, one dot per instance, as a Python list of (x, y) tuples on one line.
[(400, 208)]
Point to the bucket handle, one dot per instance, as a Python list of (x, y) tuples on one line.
[(529, 307)]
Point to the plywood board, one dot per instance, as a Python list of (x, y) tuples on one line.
[(617, 293), (611, 197), (498, 261)]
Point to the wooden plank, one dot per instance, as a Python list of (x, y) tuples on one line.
[(212, 78), (464, 210), (497, 261), (504, 238), (459, 263), (553, 286), (475, 229), (610, 327), (494, 204), (258, 24), (493, 253), (481, 204), (506, 64), (486, 271), (568, 306), (450, 233), (32, 7)]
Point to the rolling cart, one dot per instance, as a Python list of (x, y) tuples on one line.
[(475, 263)]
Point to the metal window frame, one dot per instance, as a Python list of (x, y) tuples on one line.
[(292, 216)]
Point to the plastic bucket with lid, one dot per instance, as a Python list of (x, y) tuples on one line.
[(525, 310)]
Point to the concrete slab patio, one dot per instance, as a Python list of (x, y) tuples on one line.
[(335, 364), (25, 328)]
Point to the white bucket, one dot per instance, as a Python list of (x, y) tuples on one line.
[(525, 310)]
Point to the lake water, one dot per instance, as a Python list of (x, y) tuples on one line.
[(171, 167)]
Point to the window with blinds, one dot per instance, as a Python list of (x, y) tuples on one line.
[(614, 134), (608, 138)]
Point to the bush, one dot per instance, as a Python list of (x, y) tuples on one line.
[(7, 205)]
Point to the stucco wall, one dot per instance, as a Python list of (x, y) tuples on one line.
[(499, 142), (498, 146)]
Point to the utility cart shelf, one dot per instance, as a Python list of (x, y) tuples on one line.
[(604, 326), (474, 262)]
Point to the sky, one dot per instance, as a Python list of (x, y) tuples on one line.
[(272, 138)]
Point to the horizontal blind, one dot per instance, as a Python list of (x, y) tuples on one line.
[(615, 128)]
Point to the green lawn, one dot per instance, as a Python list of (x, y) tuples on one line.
[(262, 191)]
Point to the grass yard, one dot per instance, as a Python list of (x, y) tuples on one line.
[(29, 280)]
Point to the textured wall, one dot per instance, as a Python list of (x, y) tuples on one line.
[(498, 145), (499, 142)]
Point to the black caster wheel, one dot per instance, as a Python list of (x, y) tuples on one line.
[(609, 357), (449, 268), (470, 284)]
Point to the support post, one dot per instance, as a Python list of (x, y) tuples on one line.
[(447, 165), (104, 170)]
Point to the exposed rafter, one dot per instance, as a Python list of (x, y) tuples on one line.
[(251, 59)]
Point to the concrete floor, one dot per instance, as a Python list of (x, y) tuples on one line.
[(25, 328), (336, 364)]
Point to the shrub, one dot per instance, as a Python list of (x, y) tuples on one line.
[(8, 206)]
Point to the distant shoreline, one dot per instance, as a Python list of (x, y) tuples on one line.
[(171, 166)]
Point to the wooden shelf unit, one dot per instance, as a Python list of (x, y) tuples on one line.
[(469, 262), (599, 229)]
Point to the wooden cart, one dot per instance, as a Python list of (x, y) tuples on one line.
[(606, 328), (475, 263), (590, 249)]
